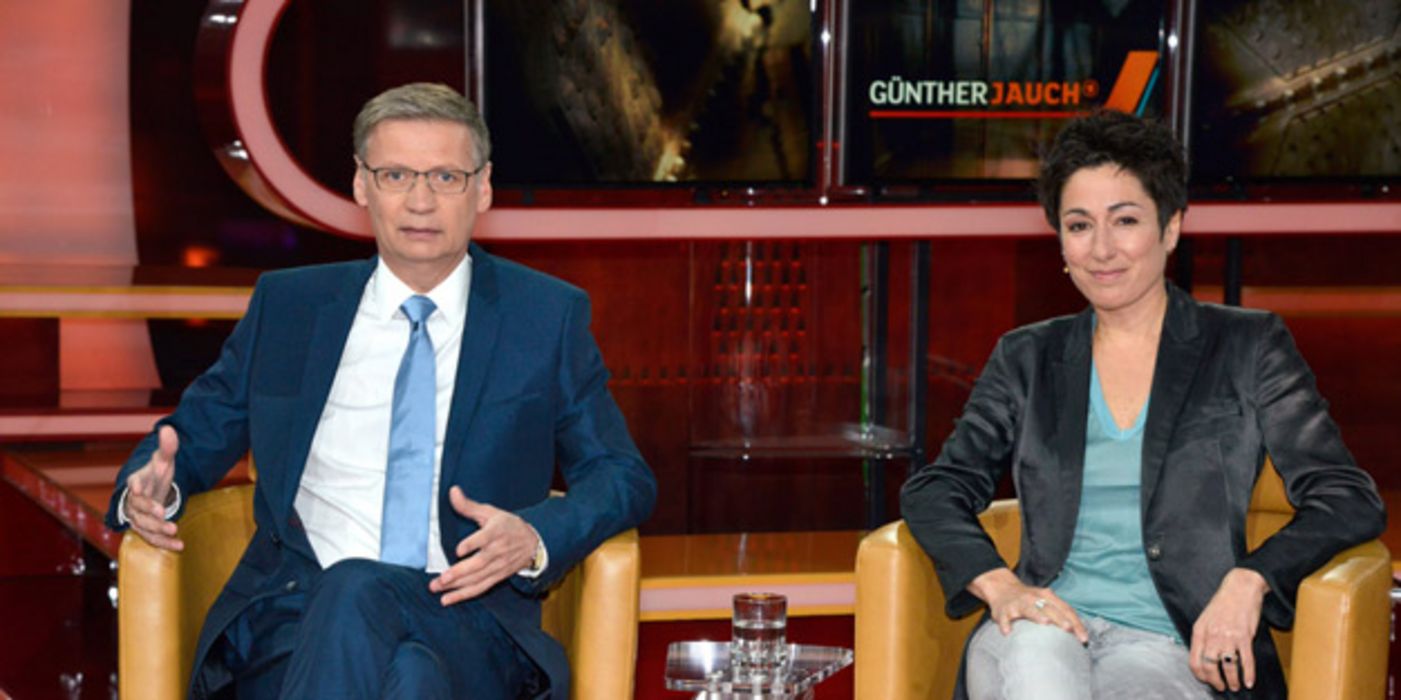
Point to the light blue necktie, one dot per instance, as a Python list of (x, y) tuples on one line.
[(408, 482)]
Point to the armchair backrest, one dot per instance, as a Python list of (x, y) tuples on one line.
[(1269, 511)]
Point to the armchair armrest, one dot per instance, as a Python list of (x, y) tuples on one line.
[(162, 596), (906, 647), (1342, 628), (148, 622), (593, 612)]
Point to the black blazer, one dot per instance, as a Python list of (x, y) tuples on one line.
[(1229, 387)]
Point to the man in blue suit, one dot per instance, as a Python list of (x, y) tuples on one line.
[(406, 414)]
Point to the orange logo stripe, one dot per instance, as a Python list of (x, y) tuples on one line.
[(1133, 78)]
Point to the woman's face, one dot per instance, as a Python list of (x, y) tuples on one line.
[(1110, 238)]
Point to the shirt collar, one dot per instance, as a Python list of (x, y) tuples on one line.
[(387, 292)]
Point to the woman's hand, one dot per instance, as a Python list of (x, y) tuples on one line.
[(1009, 599), (1222, 635)]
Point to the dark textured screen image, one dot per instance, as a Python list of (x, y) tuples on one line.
[(1289, 89), (582, 92)]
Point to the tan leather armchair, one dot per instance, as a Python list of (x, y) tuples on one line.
[(163, 596), (907, 649)]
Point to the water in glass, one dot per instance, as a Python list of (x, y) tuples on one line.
[(759, 640)]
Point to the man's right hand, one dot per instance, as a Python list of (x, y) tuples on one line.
[(1009, 600), (149, 494)]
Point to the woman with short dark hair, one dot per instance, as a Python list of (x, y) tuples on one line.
[(1134, 432)]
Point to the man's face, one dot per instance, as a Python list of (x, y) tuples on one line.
[(421, 234)]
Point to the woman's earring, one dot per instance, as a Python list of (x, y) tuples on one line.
[(1065, 270)]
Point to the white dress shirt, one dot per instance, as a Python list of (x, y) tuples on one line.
[(341, 496)]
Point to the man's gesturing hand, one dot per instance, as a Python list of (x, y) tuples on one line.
[(504, 545), (148, 495)]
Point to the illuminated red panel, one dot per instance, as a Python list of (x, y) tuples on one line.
[(65, 177), (65, 166)]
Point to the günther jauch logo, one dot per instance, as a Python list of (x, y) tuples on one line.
[(899, 91), (898, 97)]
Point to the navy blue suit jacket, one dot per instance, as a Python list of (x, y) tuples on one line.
[(531, 396)]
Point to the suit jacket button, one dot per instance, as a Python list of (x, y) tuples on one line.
[(291, 586), (1155, 552)]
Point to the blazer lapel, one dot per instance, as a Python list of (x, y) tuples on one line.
[(1070, 397), (1180, 350), (479, 336), (328, 335)]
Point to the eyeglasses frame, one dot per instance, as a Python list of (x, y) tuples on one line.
[(374, 177)]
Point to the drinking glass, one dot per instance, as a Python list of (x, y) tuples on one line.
[(759, 642)]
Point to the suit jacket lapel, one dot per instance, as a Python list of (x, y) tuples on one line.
[(1180, 350), (323, 357), (479, 336)]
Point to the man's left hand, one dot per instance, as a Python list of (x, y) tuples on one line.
[(503, 546)]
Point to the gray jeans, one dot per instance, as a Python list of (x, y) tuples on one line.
[(1048, 663)]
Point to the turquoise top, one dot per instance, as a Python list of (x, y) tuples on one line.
[(1106, 574)]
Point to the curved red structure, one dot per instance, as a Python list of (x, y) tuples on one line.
[(230, 63)]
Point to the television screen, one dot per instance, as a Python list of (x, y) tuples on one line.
[(973, 89), (1296, 89), (639, 91)]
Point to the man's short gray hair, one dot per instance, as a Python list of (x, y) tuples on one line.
[(425, 102)]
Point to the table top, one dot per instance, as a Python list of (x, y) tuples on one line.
[(705, 667), (680, 558), (694, 577)]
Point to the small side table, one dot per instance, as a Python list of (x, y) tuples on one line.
[(704, 668)]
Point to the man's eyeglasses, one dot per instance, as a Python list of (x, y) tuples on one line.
[(441, 181)]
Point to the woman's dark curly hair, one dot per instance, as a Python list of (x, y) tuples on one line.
[(1144, 148)]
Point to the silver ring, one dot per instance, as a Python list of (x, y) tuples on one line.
[(1040, 603), (1210, 659)]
